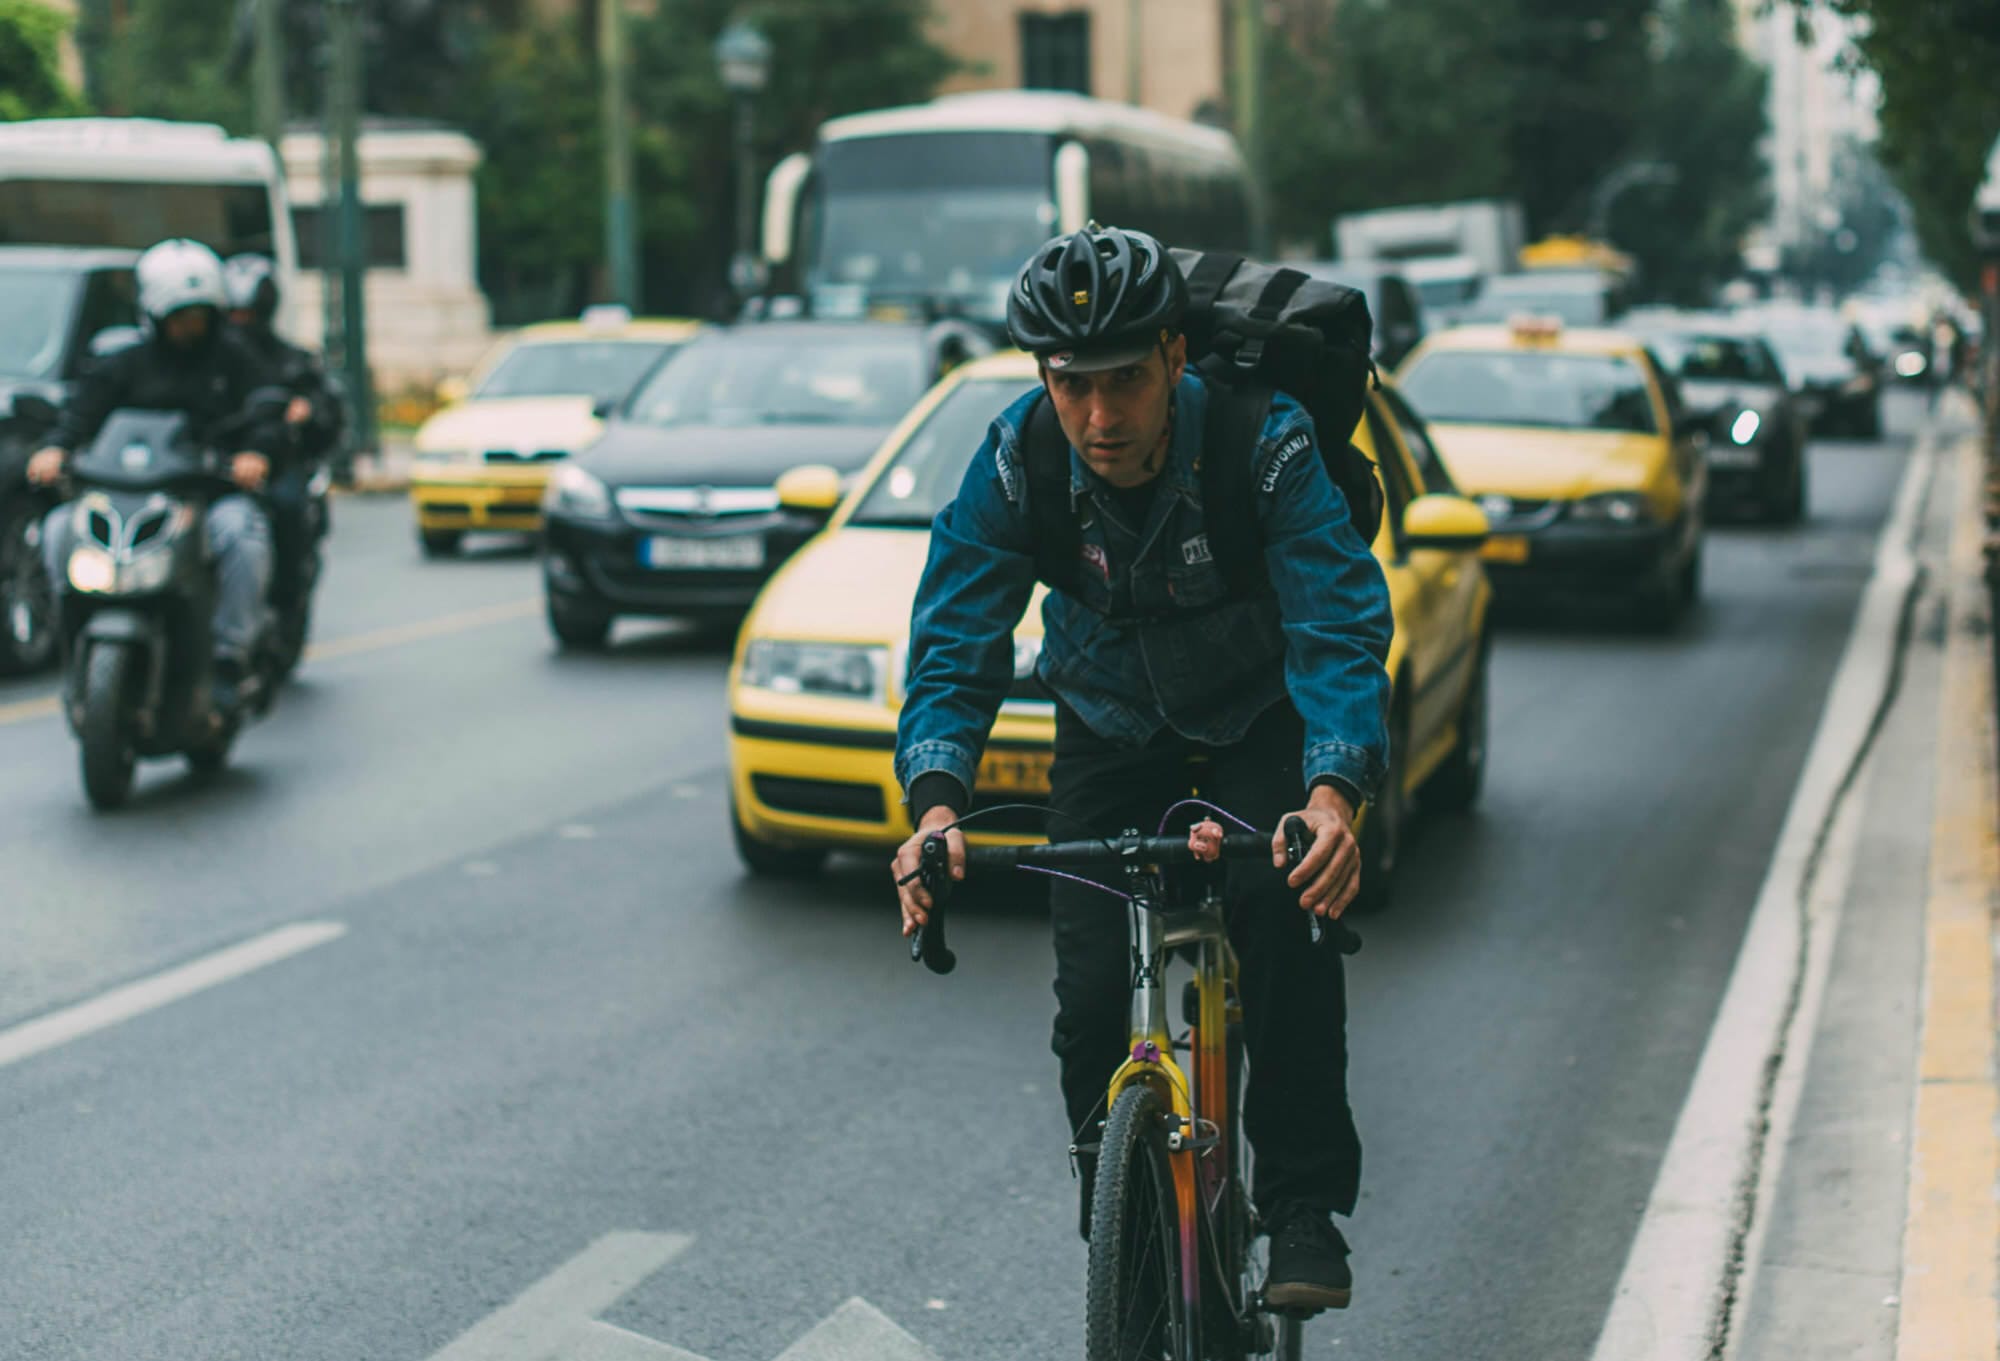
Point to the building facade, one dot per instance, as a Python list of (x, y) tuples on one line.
[(1816, 106)]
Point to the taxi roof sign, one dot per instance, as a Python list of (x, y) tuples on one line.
[(1535, 327), (606, 316)]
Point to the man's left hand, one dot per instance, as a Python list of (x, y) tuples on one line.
[(298, 411), (249, 470), (1330, 875)]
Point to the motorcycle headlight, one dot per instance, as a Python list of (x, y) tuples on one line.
[(835, 670), (572, 491), (1616, 508), (91, 569), (1745, 427)]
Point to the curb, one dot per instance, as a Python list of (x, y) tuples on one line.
[(1951, 1274)]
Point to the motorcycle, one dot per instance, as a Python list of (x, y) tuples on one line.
[(27, 625), (138, 596)]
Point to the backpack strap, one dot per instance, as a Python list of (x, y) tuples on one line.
[(1210, 275), (1229, 438), (1264, 314), (1052, 518)]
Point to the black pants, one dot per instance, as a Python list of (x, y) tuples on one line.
[(1293, 993)]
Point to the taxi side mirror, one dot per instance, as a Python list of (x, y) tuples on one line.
[(603, 408), (453, 390), (813, 489), (1451, 523)]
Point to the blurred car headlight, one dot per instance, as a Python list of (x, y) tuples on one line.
[(1910, 364), (1745, 427), (573, 491), (1614, 507), (1027, 654), (447, 455), (835, 670)]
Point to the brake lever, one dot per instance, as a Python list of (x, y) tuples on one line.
[(927, 943), (1298, 841)]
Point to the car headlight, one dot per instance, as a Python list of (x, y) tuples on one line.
[(1745, 427), (835, 670), (1614, 507), (1027, 653), (446, 455), (572, 491)]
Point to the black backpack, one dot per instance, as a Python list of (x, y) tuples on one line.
[(1252, 330)]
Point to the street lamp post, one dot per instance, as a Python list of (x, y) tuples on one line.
[(744, 56), (621, 228)]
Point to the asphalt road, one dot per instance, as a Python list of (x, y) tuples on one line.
[(557, 1011)]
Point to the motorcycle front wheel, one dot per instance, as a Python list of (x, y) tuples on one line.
[(108, 756)]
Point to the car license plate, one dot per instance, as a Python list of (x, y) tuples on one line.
[(733, 552), (1505, 548), (1015, 772), (1731, 456)]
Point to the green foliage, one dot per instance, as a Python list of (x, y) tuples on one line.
[(31, 83), (1378, 103), (1939, 64), (167, 60)]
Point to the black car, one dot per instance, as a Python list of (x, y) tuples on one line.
[(1829, 364), (54, 302), (681, 508), (1733, 386)]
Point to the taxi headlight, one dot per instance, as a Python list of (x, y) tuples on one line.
[(573, 491), (835, 670), (91, 570), (447, 455), (1616, 508), (1745, 427)]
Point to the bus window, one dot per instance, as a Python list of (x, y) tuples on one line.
[(227, 217)]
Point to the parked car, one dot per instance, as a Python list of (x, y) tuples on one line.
[(55, 301), (683, 506), (820, 663), (541, 394), (1572, 442), (1830, 364), (1732, 384), (1394, 303)]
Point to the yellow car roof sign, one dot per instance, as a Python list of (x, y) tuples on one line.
[(1535, 329)]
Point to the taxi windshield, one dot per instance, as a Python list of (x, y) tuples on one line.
[(1516, 387), (602, 370), (840, 378), (928, 468)]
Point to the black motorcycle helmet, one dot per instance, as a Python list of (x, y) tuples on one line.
[(1096, 299)]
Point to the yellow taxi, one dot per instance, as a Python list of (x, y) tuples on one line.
[(819, 665), (1574, 443), (483, 461)]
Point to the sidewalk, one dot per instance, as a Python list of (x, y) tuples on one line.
[(386, 470), (1876, 1229)]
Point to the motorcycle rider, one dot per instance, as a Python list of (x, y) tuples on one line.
[(191, 363), (315, 418)]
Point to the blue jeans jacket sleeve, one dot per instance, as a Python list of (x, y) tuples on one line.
[(1334, 603), (976, 585)]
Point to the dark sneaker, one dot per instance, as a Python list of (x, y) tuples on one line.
[(1308, 1262), (226, 692)]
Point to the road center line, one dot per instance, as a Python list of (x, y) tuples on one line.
[(1670, 1300), (49, 706), (148, 994)]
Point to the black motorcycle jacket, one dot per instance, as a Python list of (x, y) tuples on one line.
[(300, 372), (210, 382)]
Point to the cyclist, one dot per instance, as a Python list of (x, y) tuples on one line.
[(1156, 664), (188, 362)]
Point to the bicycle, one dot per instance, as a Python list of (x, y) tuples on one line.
[(1173, 1273)]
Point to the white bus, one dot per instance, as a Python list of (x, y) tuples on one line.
[(128, 182), (941, 202)]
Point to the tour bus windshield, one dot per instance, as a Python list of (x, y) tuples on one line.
[(929, 214), (134, 214)]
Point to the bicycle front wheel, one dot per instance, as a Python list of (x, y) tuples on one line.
[(1135, 1309)]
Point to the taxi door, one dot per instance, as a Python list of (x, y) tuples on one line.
[(1413, 595)]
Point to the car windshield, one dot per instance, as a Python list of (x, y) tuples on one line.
[(1808, 338), (1573, 302), (602, 370), (841, 377), (928, 468), (1713, 358), (1513, 387), (34, 312)]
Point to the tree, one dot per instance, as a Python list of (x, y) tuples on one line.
[(31, 82), (1937, 61)]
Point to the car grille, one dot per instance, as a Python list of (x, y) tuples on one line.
[(516, 456), (678, 507), (820, 798)]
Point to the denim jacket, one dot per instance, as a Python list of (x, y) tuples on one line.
[(1206, 671)]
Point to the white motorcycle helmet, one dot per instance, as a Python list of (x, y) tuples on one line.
[(175, 274)]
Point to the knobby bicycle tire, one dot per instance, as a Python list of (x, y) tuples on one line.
[(1134, 1310)]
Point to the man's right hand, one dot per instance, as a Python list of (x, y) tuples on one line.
[(46, 465), (916, 903)]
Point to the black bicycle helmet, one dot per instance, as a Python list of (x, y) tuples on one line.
[(1096, 299)]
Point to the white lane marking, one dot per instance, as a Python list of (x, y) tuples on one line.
[(133, 999), (549, 1317), (857, 1331), (601, 1341), (1669, 1297)]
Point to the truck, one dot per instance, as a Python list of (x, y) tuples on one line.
[(1446, 250)]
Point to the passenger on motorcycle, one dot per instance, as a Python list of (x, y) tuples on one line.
[(316, 417), (191, 363)]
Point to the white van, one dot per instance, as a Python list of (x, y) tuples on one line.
[(128, 182)]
